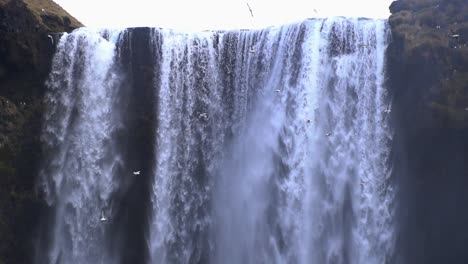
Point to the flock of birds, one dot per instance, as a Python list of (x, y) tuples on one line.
[(103, 217), (204, 116)]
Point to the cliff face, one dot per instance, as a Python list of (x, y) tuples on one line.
[(428, 69), (26, 52)]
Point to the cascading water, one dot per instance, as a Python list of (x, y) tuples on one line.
[(78, 175), (271, 146)]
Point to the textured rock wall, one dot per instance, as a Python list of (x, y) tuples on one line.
[(428, 69), (26, 52)]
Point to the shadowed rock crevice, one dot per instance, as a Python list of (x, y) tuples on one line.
[(138, 104)]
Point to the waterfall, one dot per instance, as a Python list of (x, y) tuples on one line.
[(269, 146), (80, 122)]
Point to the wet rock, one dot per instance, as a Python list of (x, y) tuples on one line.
[(9, 119), (25, 58), (428, 70)]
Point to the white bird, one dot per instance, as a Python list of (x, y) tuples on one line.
[(455, 35), (250, 9), (51, 39), (103, 218), (328, 134), (136, 173), (277, 90), (203, 115)]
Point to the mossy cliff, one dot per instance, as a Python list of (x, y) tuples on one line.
[(428, 70), (26, 52)]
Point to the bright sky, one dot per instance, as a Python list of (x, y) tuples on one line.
[(215, 14)]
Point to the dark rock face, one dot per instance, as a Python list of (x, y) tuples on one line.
[(138, 108), (25, 56), (428, 69)]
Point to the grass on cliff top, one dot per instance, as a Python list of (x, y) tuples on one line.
[(431, 27), (50, 8)]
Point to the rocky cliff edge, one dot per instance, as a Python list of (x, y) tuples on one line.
[(428, 78), (28, 30)]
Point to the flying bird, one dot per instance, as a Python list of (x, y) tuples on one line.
[(388, 110), (136, 173), (328, 134), (250, 9), (103, 218), (316, 11), (203, 115), (51, 39), (277, 90)]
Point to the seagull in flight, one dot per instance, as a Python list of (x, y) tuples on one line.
[(250, 9), (103, 218), (136, 173), (203, 115), (388, 110), (51, 39)]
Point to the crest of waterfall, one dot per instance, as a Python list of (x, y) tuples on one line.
[(270, 146)]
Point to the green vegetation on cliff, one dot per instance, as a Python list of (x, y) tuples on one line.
[(433, 37), (48, 14), (428, 77)]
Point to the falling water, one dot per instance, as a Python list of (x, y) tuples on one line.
[(80, 161), (271, 146)]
